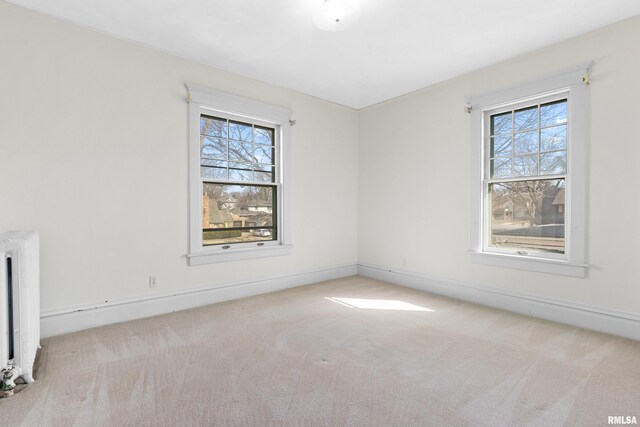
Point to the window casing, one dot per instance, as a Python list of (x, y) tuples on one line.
[(239, 203), (528, 187)]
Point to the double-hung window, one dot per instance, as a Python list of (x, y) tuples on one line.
[(525, 177), (237, 168), (528, 189)]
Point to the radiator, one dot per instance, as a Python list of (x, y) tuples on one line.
[(19, 303)]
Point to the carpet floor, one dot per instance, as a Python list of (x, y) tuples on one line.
[(348, 352)]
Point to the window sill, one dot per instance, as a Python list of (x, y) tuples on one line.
[(201, 258), (563, 268)]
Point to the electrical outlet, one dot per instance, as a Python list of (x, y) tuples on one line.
[(154, 281)]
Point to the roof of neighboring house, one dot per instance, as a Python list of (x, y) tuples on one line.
[(218, 216), (243, 212), (559, 199), (256, 217)]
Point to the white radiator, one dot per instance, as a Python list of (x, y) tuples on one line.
[(19, 302)]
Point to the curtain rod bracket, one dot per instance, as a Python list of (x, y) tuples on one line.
[(586, 77)]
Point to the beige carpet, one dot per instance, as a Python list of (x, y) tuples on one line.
[(296, 358)]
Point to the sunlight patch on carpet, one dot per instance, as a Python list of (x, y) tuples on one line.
[(377, 304)]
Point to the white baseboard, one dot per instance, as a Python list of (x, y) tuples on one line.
[(62, 321), (589, 317), (57, 322)]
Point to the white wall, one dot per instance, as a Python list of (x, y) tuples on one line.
[(93, 146), (93, 155), (414, 176)]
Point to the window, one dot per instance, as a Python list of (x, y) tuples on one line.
[(528, 191), (234, 157), (238, 158), (525, 178)]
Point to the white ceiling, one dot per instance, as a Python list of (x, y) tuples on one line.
[(396, 47)]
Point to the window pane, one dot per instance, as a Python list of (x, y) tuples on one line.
[(526, 119), (554, 113), (214, 169), (213, 127), (501, 123), (525, 165), (214, 173), (240, 171), (501, 146), (501, 167), (242, 152), (553, 163), (240, 131), (526, 142), (263, 135), (554, 138), (213, 148), (528, 215), (263, 154), (263, 176), (237, 213)]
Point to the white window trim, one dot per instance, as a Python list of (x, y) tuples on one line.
[(203, 99), (574, 263)]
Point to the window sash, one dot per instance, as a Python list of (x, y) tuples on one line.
[(522, 249), (276, 161), (513, 107), (487, 181), (274, 217)]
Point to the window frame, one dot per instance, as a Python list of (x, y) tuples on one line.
[(570, 86), (487, 180), (205, 101)]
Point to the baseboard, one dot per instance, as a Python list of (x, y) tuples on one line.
[(589, 317), (62, 321)]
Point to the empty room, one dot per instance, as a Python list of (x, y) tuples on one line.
[(319, 213)]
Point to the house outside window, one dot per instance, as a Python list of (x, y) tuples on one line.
[(528, 188), (238, 165)]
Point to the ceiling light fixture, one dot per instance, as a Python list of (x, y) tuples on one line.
[(336, 15)]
